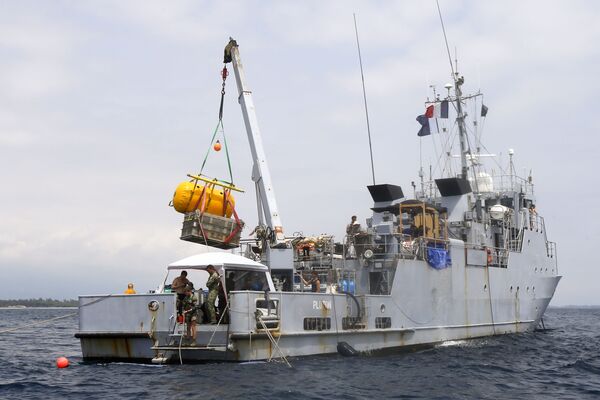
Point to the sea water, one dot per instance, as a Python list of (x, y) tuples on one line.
[(561, 362)]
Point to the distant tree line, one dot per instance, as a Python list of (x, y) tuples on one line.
[(39, 303)]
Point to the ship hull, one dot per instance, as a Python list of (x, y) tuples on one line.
[(424, 306)]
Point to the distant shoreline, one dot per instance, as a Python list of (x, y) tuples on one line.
[(37, 303), (576, 306), (38, 308)]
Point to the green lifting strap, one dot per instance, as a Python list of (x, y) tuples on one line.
[(219, 124)]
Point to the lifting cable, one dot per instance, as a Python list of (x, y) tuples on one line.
[(224, 74)]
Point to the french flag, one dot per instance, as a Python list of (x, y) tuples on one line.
[(437, 110)]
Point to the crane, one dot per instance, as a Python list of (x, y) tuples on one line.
[(276, 252)]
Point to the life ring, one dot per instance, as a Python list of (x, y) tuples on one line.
[(489, 256)]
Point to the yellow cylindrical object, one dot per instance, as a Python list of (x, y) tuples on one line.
[(188, 198)]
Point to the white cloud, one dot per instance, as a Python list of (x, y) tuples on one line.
[(38, 51), (15, 139), (106, 106), (185, 21)]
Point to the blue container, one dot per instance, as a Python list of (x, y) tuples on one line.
[(351, 286), (344, 285)]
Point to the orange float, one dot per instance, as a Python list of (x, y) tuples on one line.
[(62, 362)]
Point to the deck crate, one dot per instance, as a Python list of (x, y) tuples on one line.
[(216, 230)]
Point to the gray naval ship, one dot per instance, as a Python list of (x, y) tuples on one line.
[(466, 257)]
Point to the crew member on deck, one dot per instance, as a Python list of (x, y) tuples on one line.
[(352, 229), (213, 291), (190, 308), (178, 286), (532, 217), (314, 282), (130, 289)]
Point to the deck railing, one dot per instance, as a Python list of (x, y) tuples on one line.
[(501, 183), (551, 249), (391, 246)]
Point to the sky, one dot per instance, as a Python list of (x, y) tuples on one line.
[(105, 106)]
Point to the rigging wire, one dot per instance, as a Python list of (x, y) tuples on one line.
[(37, 323), (435, 150), (362, 76), (224, 74), (482, 121), (446, 40)]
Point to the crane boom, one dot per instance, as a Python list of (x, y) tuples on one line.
[(260, 171)]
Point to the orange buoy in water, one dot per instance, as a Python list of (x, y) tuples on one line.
[(62, 362), (217, 146)]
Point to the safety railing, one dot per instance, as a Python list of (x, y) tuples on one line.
[(551, 249), (499, 257), (500, 183), (390, 246), (535, 222), (495, 256)]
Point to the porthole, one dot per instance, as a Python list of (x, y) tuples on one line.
[(518, 287), (485, 287), (511, 288), (153, 305), (382, 308), (535, 269)]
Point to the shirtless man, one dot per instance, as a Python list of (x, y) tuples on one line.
[(314, 282), (179, 284)]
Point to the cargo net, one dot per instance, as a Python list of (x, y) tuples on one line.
[(208, 228)]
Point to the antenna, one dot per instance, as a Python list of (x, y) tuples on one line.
[(362, 76), (458, 81), (445, 39), (511, 168)]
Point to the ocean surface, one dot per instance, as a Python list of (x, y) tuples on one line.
[(561, 362)]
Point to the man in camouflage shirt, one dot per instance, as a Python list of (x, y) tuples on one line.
[(213, 291), (190, 307)]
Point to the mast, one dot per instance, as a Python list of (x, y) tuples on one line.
[(462, 130)]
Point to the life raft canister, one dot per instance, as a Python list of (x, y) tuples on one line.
[(187, 198)]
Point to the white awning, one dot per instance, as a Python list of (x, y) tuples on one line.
[(217, 259)]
